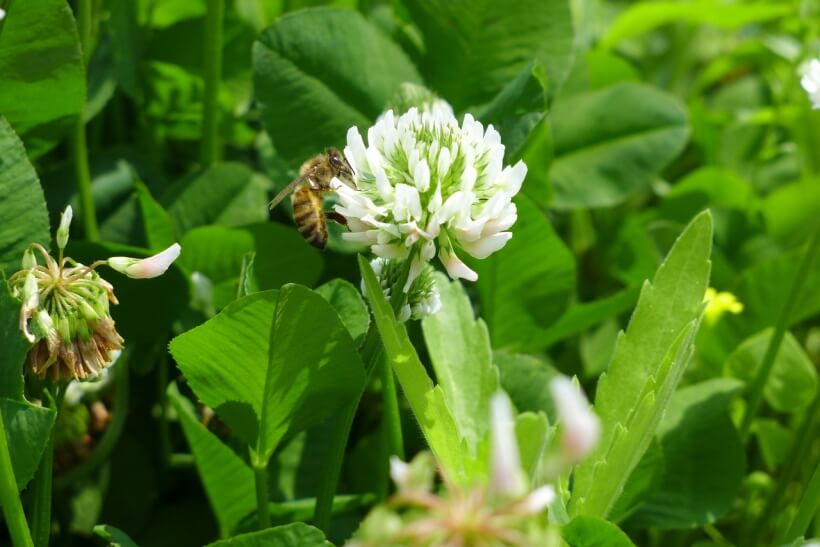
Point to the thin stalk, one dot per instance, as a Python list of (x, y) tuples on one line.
[(78, 145), (42, 487), (9, 496), (391, 418), (806, 510), (762, 376), (260, 476), (112, 432), (212, 70), (371, 355), (801, 444)]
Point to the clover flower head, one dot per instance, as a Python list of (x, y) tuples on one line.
[(65, 310), (505, 511), (425, 185), (422, 296), (811, 82), (2, 14)]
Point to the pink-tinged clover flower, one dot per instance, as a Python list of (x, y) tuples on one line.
[(581, 428), (146, 268)]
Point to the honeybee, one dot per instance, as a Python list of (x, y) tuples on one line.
[(308, 190)]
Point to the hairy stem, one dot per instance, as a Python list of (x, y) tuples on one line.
[(9, 497), (212, 70)]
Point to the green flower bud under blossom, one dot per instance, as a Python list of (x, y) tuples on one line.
[(65, 309)]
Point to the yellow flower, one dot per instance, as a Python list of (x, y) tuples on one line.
[(718, 303)]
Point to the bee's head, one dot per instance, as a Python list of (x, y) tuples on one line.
[(340, 165)]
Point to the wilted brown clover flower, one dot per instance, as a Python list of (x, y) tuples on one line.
[(65, 307)]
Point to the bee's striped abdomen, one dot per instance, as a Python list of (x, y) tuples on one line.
[(309, 216)]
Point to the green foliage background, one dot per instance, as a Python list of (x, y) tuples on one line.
[(633, 118)]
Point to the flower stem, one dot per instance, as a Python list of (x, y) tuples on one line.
[(801, 446), (212, 70), (371, 355), (9, 496), (41, 510), (762, 376), (260, 476), (112, 432), (77, 139), (807, 509), (391, 419)]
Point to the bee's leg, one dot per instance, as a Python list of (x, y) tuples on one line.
[(337, 218)]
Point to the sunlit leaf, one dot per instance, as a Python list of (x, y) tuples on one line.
[(604, 152), (271, 364), (648, 362)]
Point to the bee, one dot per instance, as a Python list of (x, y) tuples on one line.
[(308, 190)]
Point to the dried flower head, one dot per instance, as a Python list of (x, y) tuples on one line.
[(65, 309), (425, 184)]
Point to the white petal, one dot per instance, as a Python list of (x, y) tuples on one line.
[(408, 203), (484, 247), (515, 176), (581, 427), (399, 472), (455, 267), (2, 14), (538, 500), (506, 475), (444, 162), (65, 224), (421, 175), (355, 152), (153, 266)]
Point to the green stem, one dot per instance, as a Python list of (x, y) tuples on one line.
[(212, 71), (801, 445), (10, 497), (42, 488), (371, 355), (391, 418), (762, 376), (78, 145), (260, 476), (372, 352), (806, 511)]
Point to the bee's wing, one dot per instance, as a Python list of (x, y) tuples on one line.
[(285, 191)]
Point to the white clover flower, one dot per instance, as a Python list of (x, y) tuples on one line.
[(2, 14), (424, 183), (581, 427), (811, 82)]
